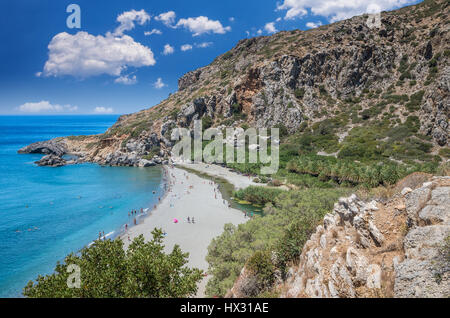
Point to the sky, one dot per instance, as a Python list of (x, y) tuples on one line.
[(122, 56)]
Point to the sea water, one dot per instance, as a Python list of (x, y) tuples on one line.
[(47, 213)]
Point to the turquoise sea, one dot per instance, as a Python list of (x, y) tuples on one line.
[(46, 213)]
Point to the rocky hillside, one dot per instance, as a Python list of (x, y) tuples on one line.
[(395, 78), (372, 249)]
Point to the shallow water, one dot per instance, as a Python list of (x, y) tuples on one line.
[(45, 212)]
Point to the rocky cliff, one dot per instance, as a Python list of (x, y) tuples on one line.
[(398, 248), (396, 74)]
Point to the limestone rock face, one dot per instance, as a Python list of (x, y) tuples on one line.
[(425, 271), (188, 79), (373, 249)]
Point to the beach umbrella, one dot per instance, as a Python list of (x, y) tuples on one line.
[(175, 221)]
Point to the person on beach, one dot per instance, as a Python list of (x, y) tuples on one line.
[(126, 227), (189, 220), (134, 221), (193, 221)]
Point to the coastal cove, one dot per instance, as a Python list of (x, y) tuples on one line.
[(48, 213)]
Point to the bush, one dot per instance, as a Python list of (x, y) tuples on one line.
[(289, 247), (415, 101), (445, 152), (260, 264), (108, 271), (299, 93), (275, 183), (228, 253), (207, 122), (258, 195)]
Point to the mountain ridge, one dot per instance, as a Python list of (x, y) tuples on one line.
[(344, 71)]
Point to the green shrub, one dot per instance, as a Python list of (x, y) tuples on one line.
[(415, 101), (108, 271), (257, 195), (228, 253), (261, 265), (299, 93), (445, 152)]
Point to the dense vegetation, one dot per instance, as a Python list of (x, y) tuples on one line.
[(379, 153), (258, 195), (291, 219), (108, 271)]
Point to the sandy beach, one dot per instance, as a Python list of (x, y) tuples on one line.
[(193, 197), (239, 181)]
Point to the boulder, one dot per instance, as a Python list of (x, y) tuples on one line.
[(51, 161), (144, 163)]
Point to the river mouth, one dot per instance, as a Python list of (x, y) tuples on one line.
[(227, 189)]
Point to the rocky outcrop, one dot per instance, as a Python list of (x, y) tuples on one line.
[(436, 108), (397, 248), (425, 271), (188, 79), (51, 161), (373, 249), (53, 147)]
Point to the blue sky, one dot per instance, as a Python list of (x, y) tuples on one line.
[(115, 64)]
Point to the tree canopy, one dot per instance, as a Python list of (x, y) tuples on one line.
[(109, 271)]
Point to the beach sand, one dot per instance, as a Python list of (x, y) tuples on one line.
[(239, 181), (207, 207)]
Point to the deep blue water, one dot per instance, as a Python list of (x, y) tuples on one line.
[(47, 213)]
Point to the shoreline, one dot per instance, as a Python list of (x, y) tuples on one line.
[(215, 171), (188, 195)]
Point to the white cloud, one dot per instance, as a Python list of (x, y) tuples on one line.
[(313, 25), (83, 55), (201, 25), (128, 18), (168, 18), (231, 19), (336, 10), (154, 31), (159, 83), (126, 80), (103, 110), (168, 49), (45, 107), (278, 19), (259, 32), (270, 28), (204, 45), (186, 47)]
